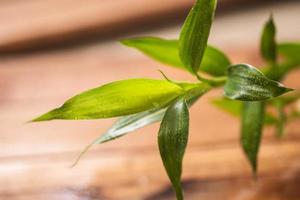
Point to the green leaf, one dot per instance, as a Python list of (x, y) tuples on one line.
[(280, 126), (230, 106), (195, 32), (268, 46), (235, 107), (290, 52), (172, 142), (214, 61), (289, 61), (133, 122), (247, 83), (116, 99), (251, 130), (164, 51)]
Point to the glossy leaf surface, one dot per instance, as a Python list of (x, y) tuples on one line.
[(251, 130), (195, 32), (133, 122), (214, 61), (172, 141), (247, 83), (116, 99), (268, 46)]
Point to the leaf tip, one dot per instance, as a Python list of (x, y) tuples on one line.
[(125, 42), (46, 117)]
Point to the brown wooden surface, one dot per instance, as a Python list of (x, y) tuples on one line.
[(35, 24), (35, 158)]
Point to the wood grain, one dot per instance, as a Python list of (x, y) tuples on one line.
[(33, 24)]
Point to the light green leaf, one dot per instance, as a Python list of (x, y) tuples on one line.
[(116, 99), (195, 32), (251, 130), (214, 61), (172, 142), (164, 51), (234, 108), (133, 122), (230, 106), (247, 83), (268, 46)]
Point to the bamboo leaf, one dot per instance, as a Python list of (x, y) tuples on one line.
[(214, 61), (251, 130), (164, 51), (195, 32), (116, 99), (247, 83), (268, 46), (172, 141), (133, 122)]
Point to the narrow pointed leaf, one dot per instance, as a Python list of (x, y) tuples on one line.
[(195, 32), (247, 83), (164, 51), (172, 142), (116, 99), (133, 122), (268, 46), (214, 61), (251, 130)]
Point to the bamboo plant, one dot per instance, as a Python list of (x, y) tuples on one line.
[(248, 91)]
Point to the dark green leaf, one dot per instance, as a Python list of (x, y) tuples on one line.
[(234, 108), (247, 83), (133, 122), (282, 119), (116, 99), (214, 61), (251, 130), (195, 32), (172, 141), (268, 46)]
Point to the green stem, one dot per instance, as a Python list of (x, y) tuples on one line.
[(215, 82)]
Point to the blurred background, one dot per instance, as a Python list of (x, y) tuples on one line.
[(51, 50)]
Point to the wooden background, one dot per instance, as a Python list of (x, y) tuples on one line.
[(50, 51)]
